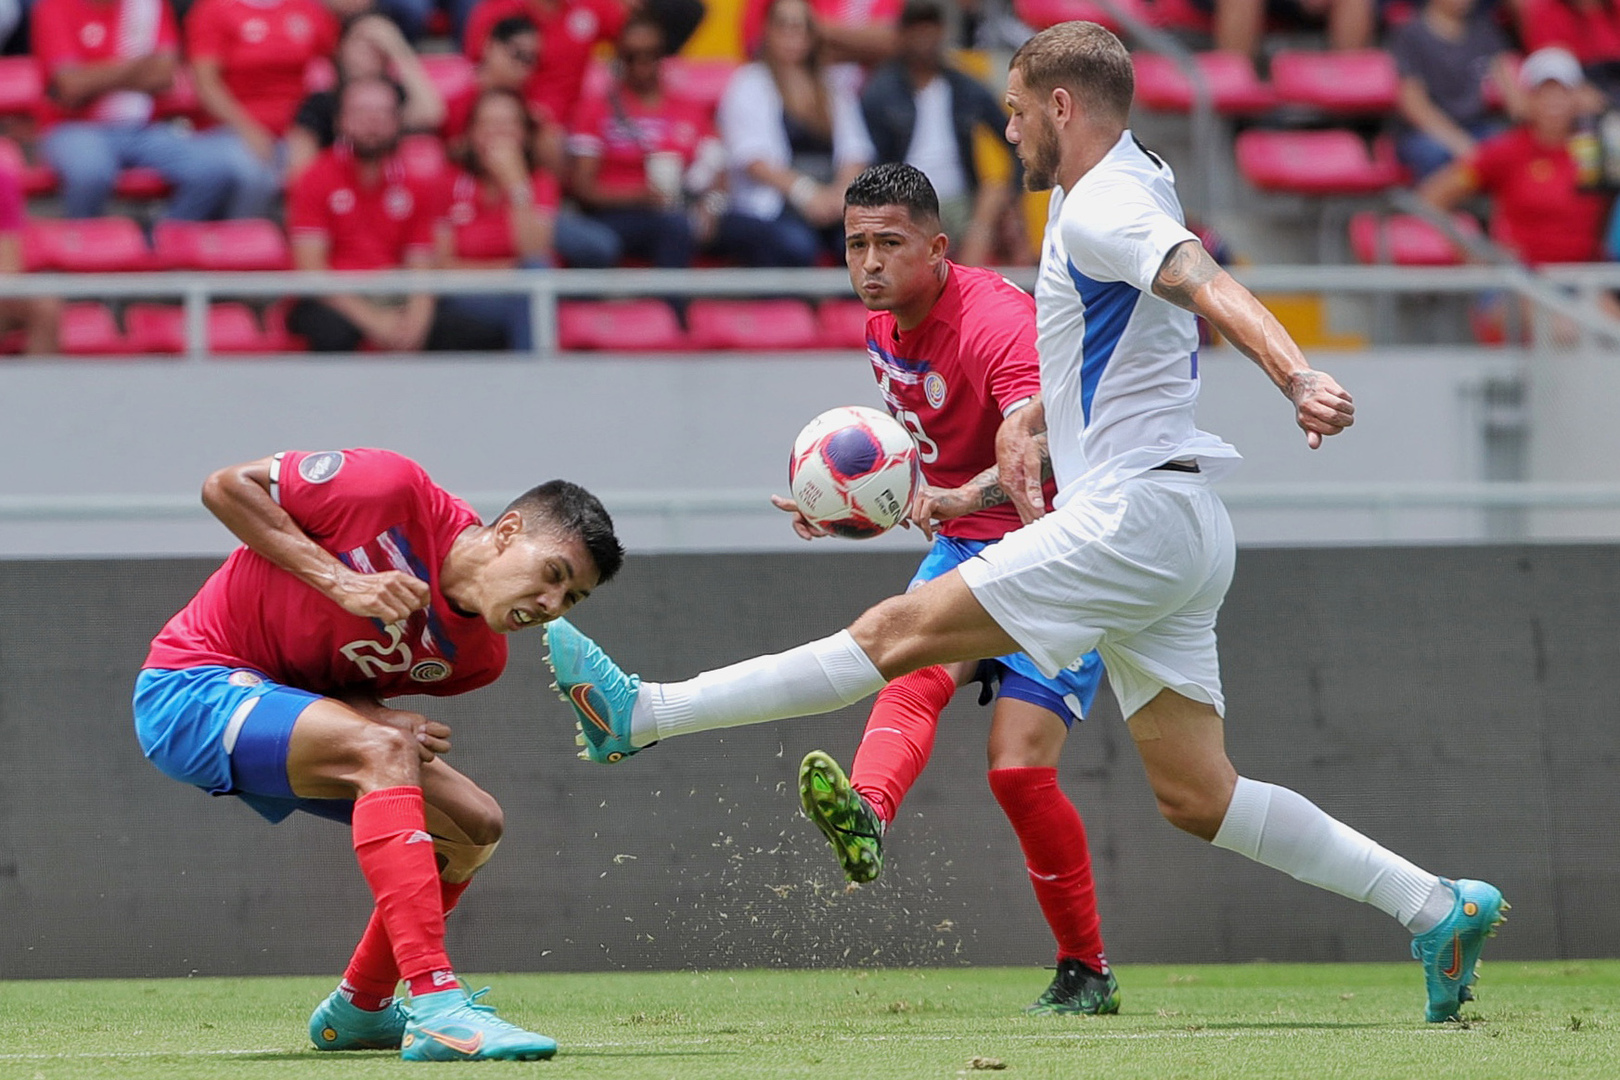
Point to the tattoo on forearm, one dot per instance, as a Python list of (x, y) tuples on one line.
[(988, 486), (1186, 269)]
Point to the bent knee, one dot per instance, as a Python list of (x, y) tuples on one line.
[(1192, 810), (485, 823)]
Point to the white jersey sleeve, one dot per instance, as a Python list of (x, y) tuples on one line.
[(1119, 232)]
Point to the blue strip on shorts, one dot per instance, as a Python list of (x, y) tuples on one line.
[(1069, 695), (226, 731)]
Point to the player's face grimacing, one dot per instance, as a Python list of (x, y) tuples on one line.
[(1030, 130), (894, 263), (536, 575)]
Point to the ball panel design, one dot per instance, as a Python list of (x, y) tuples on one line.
[(854, 471)]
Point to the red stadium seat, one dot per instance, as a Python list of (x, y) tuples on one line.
[(451, 73), (842, 324), (88, 329), (756, 325), (277, 336), (702, 81), (1233, 83), (155, 328), (90, 245), (424, 156), (242, 244), (21, 85), (38, 180), (141, 183), (1043, 13), (180, 100), (234, 329), (1406, 239), (1181, 15), (1347, 81), (619, 326), (1313, 163)]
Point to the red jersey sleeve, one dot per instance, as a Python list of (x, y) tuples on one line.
[(1491, 161), (168, 39), (206, 31), (321, 490), (998, 347), (52, 33), (307, 202)]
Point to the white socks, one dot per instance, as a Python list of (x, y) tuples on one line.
[(815, 678), (1286, 831)]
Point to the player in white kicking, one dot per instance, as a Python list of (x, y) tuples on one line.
[(1136, 556)]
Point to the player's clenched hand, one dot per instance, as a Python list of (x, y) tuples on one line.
[(1021, 457), (1321, 406), (432, 737), (807, 529), (389, 595)]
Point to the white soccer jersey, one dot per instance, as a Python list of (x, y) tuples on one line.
[(1119, 366)]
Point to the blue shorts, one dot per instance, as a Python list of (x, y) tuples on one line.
[(1068, 695), (226, 731)]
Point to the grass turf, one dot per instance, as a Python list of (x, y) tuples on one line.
[(1249, 1022)]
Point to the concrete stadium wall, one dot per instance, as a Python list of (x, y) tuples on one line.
[(1456, 704)]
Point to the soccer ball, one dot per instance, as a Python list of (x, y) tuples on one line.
[(853, 471)]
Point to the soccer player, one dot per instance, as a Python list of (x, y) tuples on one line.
[(953, 349), (361, 580), (1137, 555)]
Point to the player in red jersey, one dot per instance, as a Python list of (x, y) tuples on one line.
[(360, 580), (953, 349)]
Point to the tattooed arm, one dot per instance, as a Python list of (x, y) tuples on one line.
[(933, 505), (1190, 279)]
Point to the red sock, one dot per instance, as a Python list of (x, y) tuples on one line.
[(899, 737), (372, 974), (396, 856), (1054, 841)]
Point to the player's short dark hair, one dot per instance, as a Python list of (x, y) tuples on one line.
[(895, 183), (569, 507), (922, 13), (512, 26), (1085, 59)]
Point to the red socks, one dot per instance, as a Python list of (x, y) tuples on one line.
[(396, 856), (1054, 842), (372, 975), (899, 737)]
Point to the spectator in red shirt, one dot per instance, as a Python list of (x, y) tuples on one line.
[(36, 316), (249, 58), (102, 60), (1544, 206), (631, 150), (357, 208), (858, 31), (499, 211), (569, 30)]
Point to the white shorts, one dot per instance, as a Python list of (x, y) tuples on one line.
[(1137, 573)]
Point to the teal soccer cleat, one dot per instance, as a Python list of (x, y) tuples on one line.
[(600, 693), (1450, 951), (843, 815), (1078, 990), (450, 1025), (337, 1025)]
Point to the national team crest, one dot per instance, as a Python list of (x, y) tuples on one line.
[(934, 388), (321, 467), (243, 679), (430, 671)]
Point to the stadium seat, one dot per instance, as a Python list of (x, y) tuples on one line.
[(1406, 239), (1346, 81), (234, 329), (1314, 163), (180, 100), (424, 156), (88, 329), (842, 324), (1044, 13), (702, 81), (618, 326), (21, 86), (90, 245), (451, 73), (1233, 83), (242, 244), (141, 183), (155, 328), (756, 325)]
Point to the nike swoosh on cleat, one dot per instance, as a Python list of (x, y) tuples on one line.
[(1454, 969), (582, 703), (459, 1045)]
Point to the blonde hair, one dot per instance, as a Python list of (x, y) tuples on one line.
[(1085, 59)]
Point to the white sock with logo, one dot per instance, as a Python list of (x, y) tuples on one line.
[(1286, 831), (815, 678)]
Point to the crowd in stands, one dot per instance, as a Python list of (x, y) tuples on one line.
[(533, 133)]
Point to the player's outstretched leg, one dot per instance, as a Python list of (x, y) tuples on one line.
[(337, 1025), (1078, 990), (602, 696), (843, 815), (1450, 951), (452, 1026)]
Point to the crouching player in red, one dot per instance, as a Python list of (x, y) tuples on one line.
[(360, 580), (953, 349)]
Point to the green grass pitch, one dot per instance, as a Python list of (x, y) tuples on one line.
[(1250, 1022)]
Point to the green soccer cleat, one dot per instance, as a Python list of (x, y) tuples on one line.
[(843, 815), (600, 693), (1077, 990), (337, 1025), (450, 1025), (1450, 951)]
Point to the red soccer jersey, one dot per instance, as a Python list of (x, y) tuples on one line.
[(950, 381), (374, 510), (68, 32), (458, 110), (836, 12), (1537, 207), (569, 30), (263, 48), (366, 227), (669, 125), (482, 223)]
